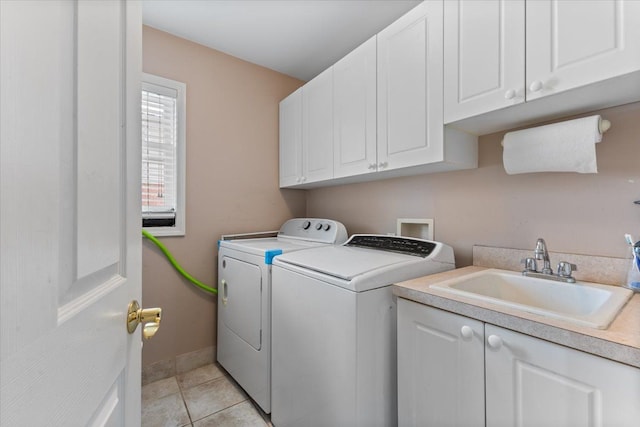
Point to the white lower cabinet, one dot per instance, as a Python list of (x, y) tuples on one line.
[(532, 382), (440, 368), (524, 381)]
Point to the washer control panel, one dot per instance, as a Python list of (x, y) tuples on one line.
[(403, 245), (315, 230)]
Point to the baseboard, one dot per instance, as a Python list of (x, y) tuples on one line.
[(177, 365)]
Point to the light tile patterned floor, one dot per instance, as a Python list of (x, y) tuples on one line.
[(204, 397)]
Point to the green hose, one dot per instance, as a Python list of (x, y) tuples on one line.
[(177, 266)]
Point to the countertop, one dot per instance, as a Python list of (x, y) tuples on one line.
[(619, 342)]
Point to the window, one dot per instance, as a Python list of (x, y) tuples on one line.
[(163, 156)]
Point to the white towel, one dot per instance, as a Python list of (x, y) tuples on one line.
[(560, 147)]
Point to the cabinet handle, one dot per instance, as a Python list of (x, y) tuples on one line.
[(510, 94), (298, 179), (535, 86), (382, 165), (466, 332), (303, 179), (372, 165), (494, 341)]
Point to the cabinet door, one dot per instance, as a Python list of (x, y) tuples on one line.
[(440, 367), (575, 43), (354, 111), (531, 382), (483, 56), (291, 139), (317, 128), (410, 118)]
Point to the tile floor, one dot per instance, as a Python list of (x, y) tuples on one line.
[(206, 396)]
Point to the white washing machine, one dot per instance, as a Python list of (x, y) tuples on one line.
[(334, 329), (244, 298)]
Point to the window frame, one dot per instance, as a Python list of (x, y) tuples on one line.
[(149, 83)]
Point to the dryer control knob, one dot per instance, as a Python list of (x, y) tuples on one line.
[(306, 225), (327, 227), (318, 226)]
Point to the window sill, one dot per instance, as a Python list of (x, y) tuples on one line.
[(165, 231)]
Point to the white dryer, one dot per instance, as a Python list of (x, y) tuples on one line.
[(244, 298), (334, 329)]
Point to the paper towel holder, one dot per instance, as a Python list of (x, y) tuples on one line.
[(603, 126)]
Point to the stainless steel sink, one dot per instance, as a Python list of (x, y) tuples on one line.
[(581, 303)]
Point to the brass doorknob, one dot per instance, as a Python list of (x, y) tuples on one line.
[(149, 317)]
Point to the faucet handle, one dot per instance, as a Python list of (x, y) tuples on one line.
[(529, 264), (565, 269)]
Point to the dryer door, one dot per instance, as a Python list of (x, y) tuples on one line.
[(240, 299)]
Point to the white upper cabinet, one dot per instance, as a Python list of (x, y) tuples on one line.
[(317, 128), (575, 43), (484, 61), (410, 123), (291, 139), (354, 112), (306, 133), (377, 113), (587, 52)]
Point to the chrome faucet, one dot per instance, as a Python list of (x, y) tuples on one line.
[(541, 253)]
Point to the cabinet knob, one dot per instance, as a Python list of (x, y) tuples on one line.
[(372, 165), (535, 86), (510, 94), (382, 165), (494, 341), (466, 332), (303, 179), (298, 179)]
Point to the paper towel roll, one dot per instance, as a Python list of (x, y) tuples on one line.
[(560, 147)]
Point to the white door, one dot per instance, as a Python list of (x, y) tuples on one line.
[(70, 212), (483, 56), (354, 112), (574, 43), (532, 382), (317, 128), (241, 299), (410, 94), (440, 367), (291, 139)]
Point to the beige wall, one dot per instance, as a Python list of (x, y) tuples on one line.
[(232, 180), (578, 213)]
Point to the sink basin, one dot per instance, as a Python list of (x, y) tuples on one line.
[(581, 303)]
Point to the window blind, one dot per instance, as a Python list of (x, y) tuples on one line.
[(159, 155)]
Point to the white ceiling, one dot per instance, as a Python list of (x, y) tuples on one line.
[(299, 38)]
